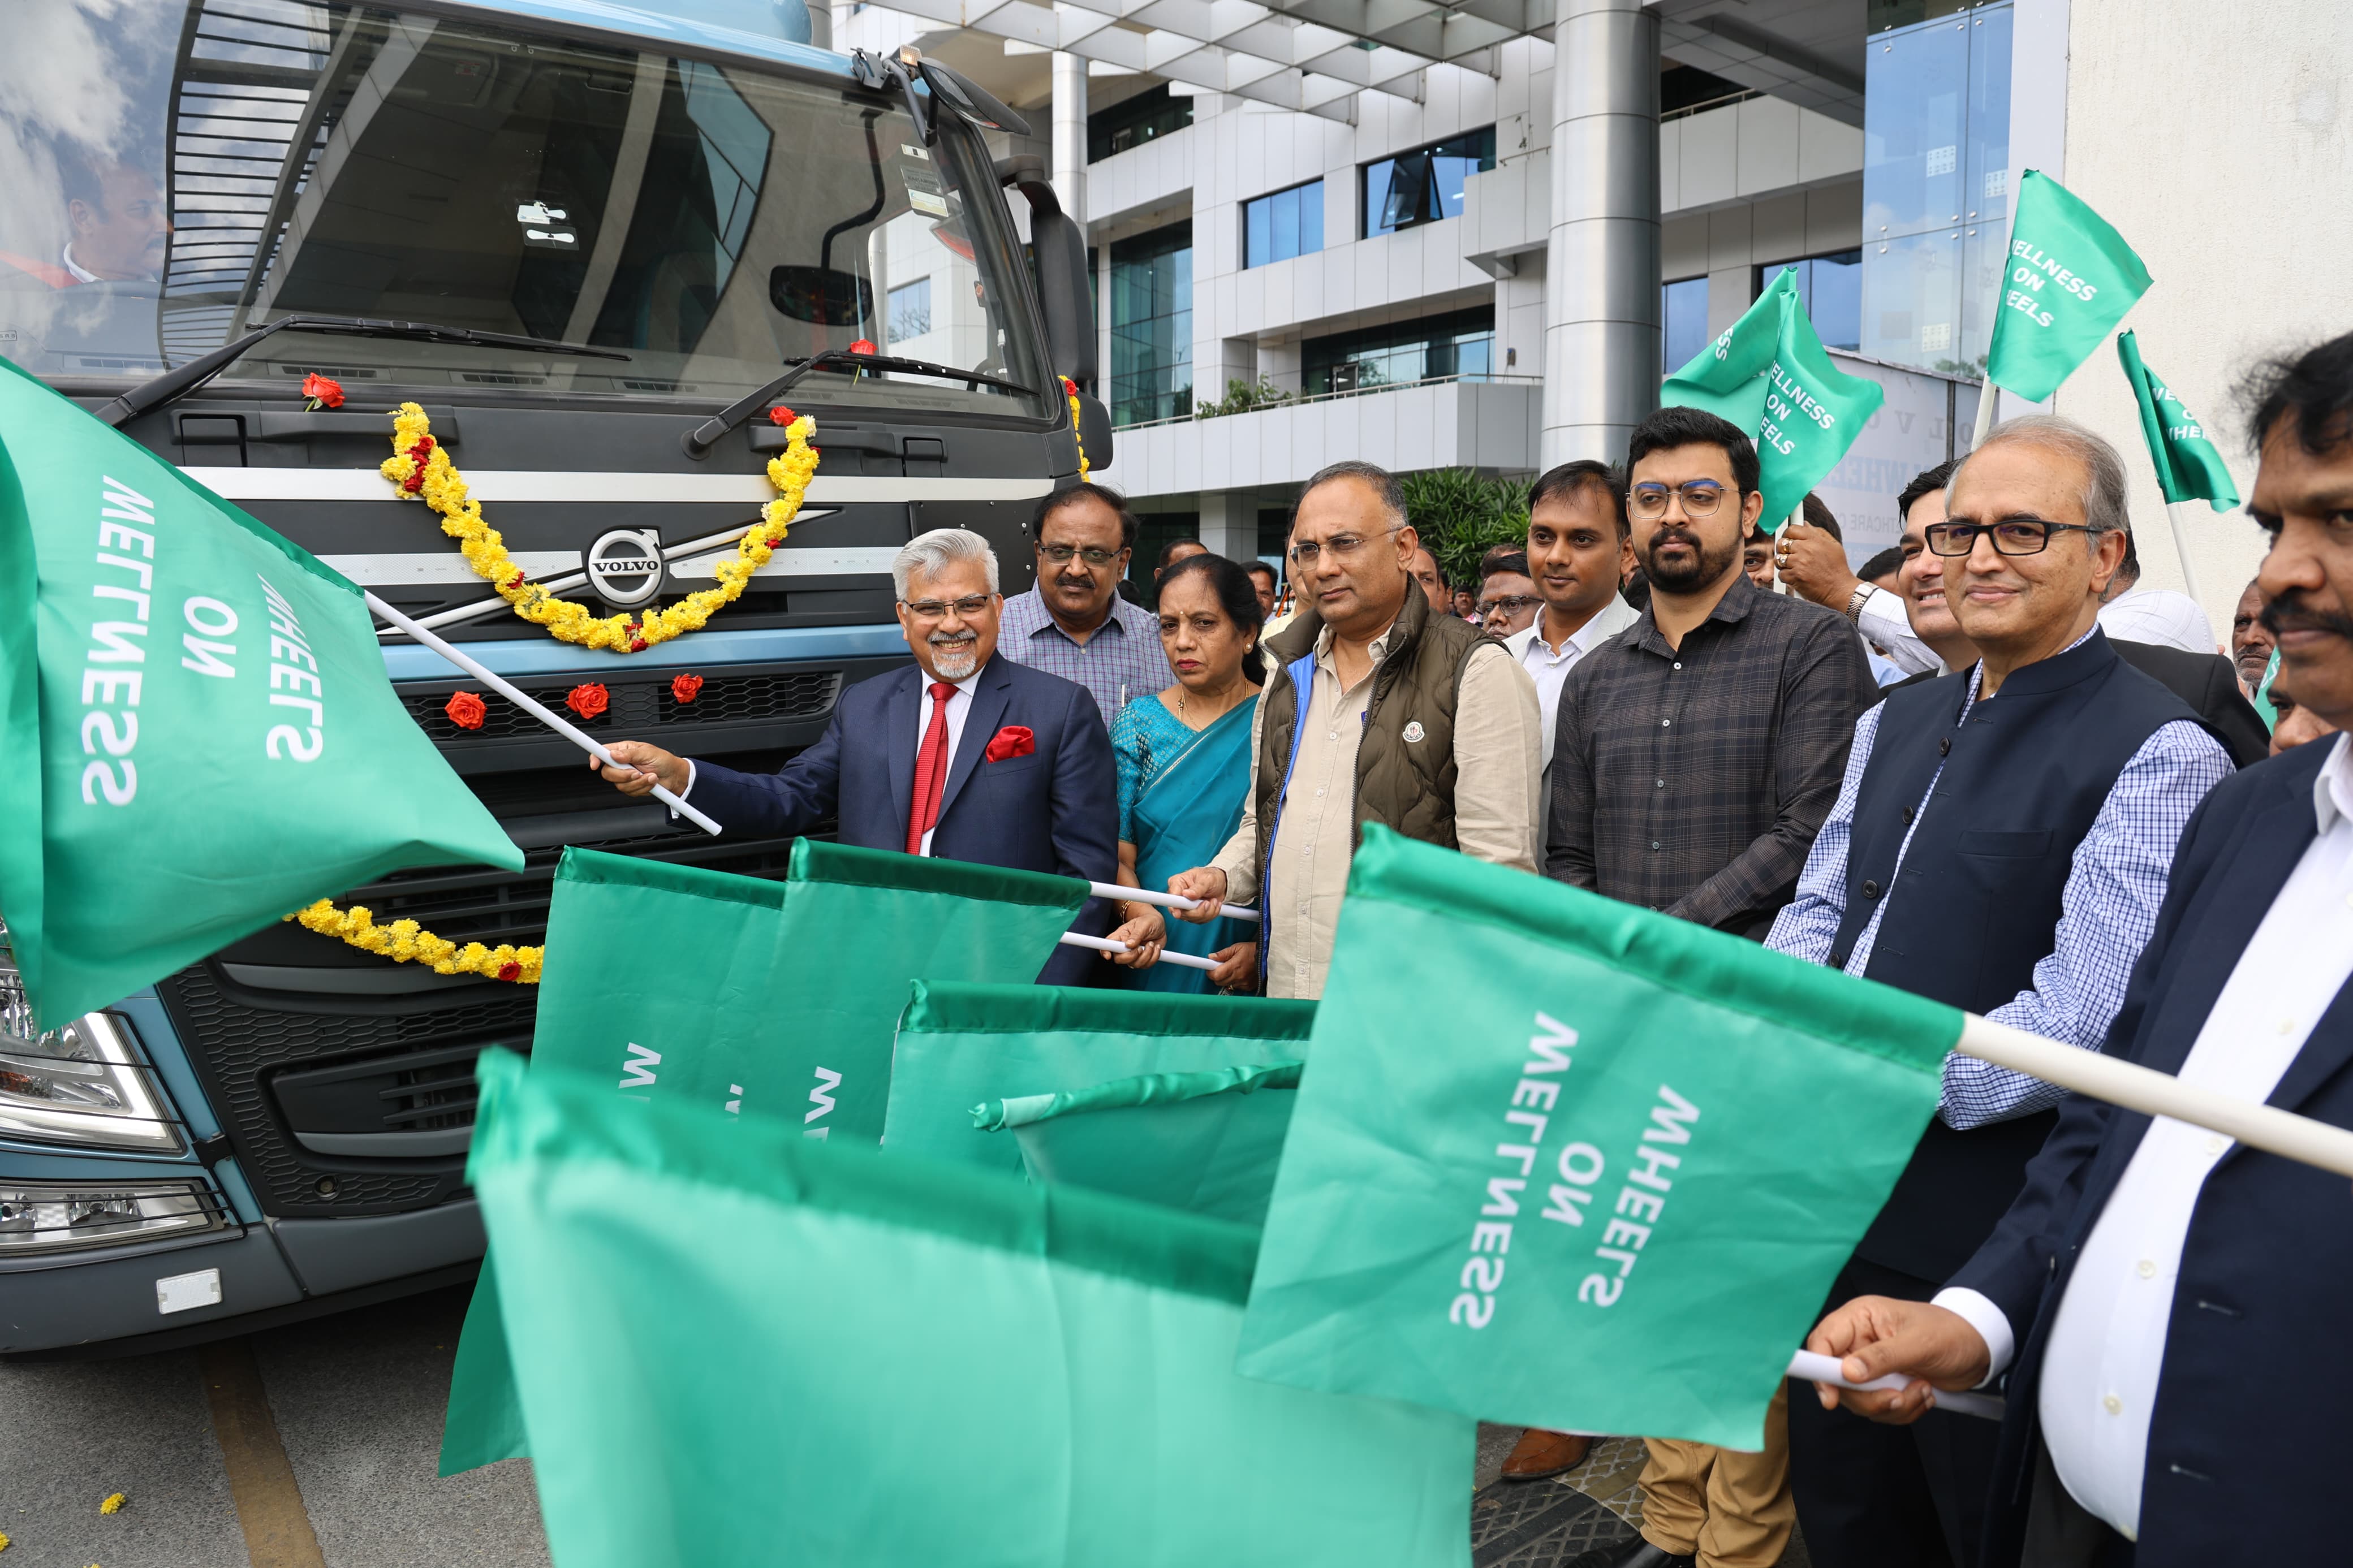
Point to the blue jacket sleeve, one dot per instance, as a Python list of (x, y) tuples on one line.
[(1085, 794), (2016, 1262), (797, 797)]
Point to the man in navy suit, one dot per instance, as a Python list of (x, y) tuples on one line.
[(963, 754), (2170, 1307)]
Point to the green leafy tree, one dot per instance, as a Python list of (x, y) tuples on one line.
[(1460, 516)]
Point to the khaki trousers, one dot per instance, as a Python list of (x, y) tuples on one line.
[(1728, 1509)]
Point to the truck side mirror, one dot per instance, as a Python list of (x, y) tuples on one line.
[(1094, 432), (1060, 248)]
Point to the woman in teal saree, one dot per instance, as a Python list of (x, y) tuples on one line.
[(1184, 761)]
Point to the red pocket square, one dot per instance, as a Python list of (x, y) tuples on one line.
[(1013, 741)]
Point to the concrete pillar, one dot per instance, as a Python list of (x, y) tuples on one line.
[(1229, 525), (820, 26), (1601, 267), (1070, 134)]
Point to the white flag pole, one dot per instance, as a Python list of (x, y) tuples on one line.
[(2181, 547), (2297, 1138), (529, 705), (1165, 900), (1811, 1366), (1104, 944)]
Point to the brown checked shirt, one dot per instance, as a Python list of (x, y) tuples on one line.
[(1693, 780)]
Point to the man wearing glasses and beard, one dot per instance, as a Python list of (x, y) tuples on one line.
[(1694, 755)]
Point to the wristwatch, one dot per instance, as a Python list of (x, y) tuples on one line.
[(1856, 600)]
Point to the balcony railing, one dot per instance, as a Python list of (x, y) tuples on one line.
[(1294, 399)]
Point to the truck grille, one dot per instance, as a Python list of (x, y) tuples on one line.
[(723, 699)]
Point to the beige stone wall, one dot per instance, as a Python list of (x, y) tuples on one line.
[(2217, 135)]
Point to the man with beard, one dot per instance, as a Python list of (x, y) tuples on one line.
[(1694, 756), (1073, 622), (963, 754), (2170, 1306)]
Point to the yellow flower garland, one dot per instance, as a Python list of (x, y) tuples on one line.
[(403, 941), (420, 467), (1072, 387)]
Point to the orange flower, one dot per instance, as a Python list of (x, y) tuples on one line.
[(684, 687), (589, 699), (323, 391), (466, 710)]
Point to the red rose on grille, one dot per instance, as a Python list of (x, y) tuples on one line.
[(323, 391), (684, 687), (1013, 741), (466, 710), (861, 347), (511, 971), (589, 699), (780, 415)]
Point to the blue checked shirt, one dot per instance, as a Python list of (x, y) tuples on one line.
[(1120, 661), (2107, 908)]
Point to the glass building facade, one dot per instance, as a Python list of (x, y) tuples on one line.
[(1152, 325), (1830, 287), (1425, 185), (1683, 322), (1460, 344), (1285, 224), (1935, 187)]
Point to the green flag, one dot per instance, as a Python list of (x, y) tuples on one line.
[(1770, 374), (1615, 1200), (960, 1045), (727, 1337), (2188, 466), (1205, 1142), (200, 733), (2071, 279), (777, 1000)]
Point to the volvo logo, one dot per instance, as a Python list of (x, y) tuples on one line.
[(626, 566)]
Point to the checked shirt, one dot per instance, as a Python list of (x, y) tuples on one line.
[(1121, 661), (1692, 780), (2108, 906)]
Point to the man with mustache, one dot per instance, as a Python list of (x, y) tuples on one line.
[(1073, 622), (2251, 640), (2001, 843), (1694, 756), (963, 754), (2170, 1307), (118, 225)]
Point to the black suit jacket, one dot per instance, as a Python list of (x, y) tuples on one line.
[(2207, 681), (2246, 1442)]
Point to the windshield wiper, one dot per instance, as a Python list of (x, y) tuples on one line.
[(699, 441), (172, 384)]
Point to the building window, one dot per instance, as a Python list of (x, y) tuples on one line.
[(1683, 323), (1936, 186), (1287, 224), (1830, 287), (1425, 185), (1459, 345), (1152, 325), (1132, 121), (910, 310)]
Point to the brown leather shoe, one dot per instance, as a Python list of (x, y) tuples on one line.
[(1541, 1453)]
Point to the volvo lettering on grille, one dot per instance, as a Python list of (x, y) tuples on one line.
[(626, 565)]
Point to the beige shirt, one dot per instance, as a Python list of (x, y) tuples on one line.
[(1497, 732)]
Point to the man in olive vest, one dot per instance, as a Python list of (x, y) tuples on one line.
[(1384, 712)]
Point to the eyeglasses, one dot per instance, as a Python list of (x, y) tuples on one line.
[(2012, 536), (1060, 554), (968, 607), (1306, 551), (1700, 498), (1509, 604)]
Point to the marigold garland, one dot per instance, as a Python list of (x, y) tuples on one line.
[(405, 941), (420, 467), (1071, 389)]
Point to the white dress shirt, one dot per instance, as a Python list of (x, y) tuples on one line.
[(2160, 616), (1549, 666), (959, 710), (2107, 1345), (1882, 621)]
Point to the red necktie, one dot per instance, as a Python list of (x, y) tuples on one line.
[(931, 770)]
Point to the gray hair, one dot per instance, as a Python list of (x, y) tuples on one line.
[(2105, 507), (933, 552), (1384, 483)]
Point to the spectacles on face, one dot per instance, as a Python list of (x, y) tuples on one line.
[(1701, 498), (1060, 554), (1509, 604), (1306, 552), (970, 605), (2012, 536)]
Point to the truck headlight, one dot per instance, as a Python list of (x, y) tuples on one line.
[(53, 1217), (82, 1084)]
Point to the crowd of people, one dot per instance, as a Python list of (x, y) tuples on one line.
[(1983, 767)]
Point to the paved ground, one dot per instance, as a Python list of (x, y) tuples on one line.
[(357, 1403), (353, 1404)]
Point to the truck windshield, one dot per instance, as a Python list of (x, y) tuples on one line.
[(173, 175)]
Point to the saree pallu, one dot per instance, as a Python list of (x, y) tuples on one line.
[(1182, 819)]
